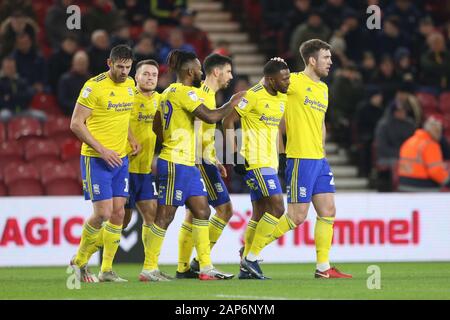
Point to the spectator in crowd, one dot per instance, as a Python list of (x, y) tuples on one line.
[(353, 35), (408, 14), (313, 28), (71, 82), (346, 91), (421, 167), (333, 13), (274, 13), (30, 64), (193, 35), (145, 48), (150, 27), (13, 26), (176, 41), (390, 38), (98, 51), (15, 94), (134, 11), (368, 113), (392, 130), (403, 66), (8, 7), (419, 42), (56, 23), (167, 12), (102, 14), (368, 68), (386, 78), (121, 35), (60, 61), (435, 64), (297, 16)]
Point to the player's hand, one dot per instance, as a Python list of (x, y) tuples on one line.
[(281, 164), (136, 148), (238, 164), (237, 97), (278, 59), (222, 170), (111, 157)]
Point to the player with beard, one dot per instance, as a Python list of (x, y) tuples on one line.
[(260, 113), (308, 174), (180, 181), (218, 76)]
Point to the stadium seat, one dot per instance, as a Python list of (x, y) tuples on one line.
[(70, 149), (428, 102), (40, 152), (47, 103), (24, 129), (2, 132), (10, 151), (75, 165), (58, 128), (22, 180), (3, 190), (60, 179), (444, 102)]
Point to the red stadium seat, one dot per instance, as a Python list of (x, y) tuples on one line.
[(70, 149), (2, 132), (444, 103), (41, 152), (10, 151), (428, 102), (23, 180), (60, 179), (75, 165), (58, 128), (24, 128), (47, 103)]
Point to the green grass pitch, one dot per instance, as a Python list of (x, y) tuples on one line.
[(290, 281)]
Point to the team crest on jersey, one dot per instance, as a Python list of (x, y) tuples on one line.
[(302, 192), (130, 91), (282, 106), (272, 184), (243, 103), (178, 195), (219, 187), (193, 95), (86, 92)]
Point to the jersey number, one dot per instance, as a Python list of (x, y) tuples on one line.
[(167, 114), (204, 187)]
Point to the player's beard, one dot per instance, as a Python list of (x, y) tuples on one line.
[(197, 82)]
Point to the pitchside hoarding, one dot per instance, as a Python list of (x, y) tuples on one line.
[(370, 227)]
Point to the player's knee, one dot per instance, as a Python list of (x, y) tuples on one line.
[(203, 214), (278, 210), (329, 211), (298, 219)]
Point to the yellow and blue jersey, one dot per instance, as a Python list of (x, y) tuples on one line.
[(260, 114), (141, 124), (206, 133), (176, 106), (307, 103), (111, 104)]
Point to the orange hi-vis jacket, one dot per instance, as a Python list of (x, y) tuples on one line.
[(421, 164)]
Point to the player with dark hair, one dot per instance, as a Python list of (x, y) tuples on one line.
[(308, 174), (260, 113), (218, 76), (179, 179), (100, 119)]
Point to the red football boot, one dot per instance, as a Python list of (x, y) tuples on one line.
[(332, 273)]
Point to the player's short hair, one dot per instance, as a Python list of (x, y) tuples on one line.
[(178, 58), (121, 52), (273, 67), (311, 48), (215, 60), (147, 62)]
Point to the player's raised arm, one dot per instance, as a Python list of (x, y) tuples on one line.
[(79, 128), (212, 116)]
